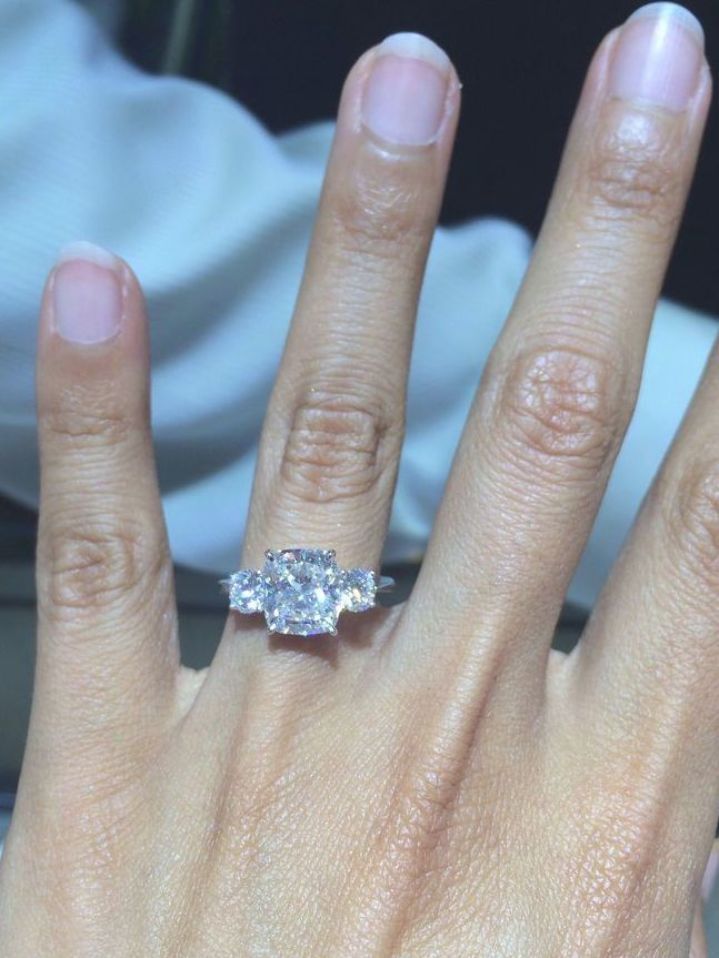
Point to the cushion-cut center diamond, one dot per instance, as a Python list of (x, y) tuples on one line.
[(304, 593)]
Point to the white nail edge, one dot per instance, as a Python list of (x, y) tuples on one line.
[(415, 46), (89, 252), (673, 11)]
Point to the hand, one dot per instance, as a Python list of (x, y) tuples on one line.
[(436, 781)]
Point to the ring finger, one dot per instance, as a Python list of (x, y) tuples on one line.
[(333, 431)]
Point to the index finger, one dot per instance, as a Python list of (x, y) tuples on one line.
[(107, 650)]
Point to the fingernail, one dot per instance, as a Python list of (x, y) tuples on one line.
[(710, 876), (87, 294), (405, 93), (659, 56)]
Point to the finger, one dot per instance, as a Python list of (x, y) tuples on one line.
[(333, 432), (647, 668), (107, 652), (560, 386)]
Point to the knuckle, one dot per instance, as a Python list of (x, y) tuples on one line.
[(634, 169), (337, 447), (87, 567), (693, 519), (85, 416), (376, 213), (618, 827), (617, 853), (84, 838), (414, 831), (562, 405)]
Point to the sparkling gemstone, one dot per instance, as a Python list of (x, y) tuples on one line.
[(304, 591), (360, 589), (247, 591)]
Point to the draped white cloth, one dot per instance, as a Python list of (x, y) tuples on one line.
[(214, 214)]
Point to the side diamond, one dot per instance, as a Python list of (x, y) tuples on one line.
[(359, 590), (247, 591)]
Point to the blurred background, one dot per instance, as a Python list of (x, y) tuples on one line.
[(521, 64)]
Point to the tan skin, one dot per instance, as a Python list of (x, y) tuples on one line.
[(436, 782)]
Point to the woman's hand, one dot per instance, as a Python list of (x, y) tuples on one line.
[(434, 782)]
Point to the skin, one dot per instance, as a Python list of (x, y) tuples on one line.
[(436, 782)]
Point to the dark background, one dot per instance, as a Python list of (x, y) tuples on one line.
[(521, 62)]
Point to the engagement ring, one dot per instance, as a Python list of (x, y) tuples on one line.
[(303, 591)]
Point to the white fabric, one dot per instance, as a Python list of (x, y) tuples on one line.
[(214, 214)]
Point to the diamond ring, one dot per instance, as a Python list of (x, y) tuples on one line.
[(303, 591)]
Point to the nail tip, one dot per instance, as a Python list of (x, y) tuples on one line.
[(659, 58), (89, 252), (415, 46), (676, 12)]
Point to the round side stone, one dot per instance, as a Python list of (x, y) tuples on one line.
[(360, 590), (247, 591)]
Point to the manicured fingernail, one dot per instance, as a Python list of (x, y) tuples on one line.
[(406, 91), (659, 56), (710, 876), (87, 294)]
